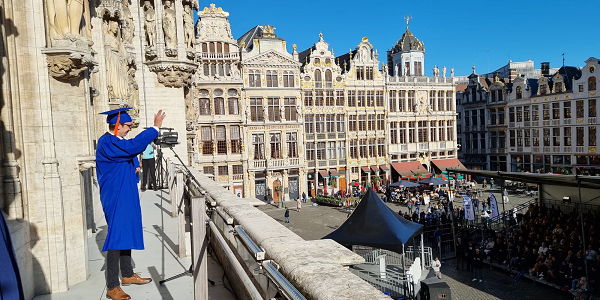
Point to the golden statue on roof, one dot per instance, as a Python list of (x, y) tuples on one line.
[(407, 18), (268, 30)]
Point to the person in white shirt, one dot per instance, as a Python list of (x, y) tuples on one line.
[(436, 264)]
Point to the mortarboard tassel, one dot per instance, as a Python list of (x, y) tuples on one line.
[(117, 125)]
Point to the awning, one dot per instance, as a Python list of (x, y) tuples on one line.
[(334, 173), (409, 168), (374, 169), (450, 163), (366, 169), (324, 173), (383, 168)]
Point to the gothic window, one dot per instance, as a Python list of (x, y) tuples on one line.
[(275, 140), (256, 110), (212, 47), (221, 140), (273, 109), (271, 78), (328, 79), (258, 146), (290, 109), (207, 141), (204, 47), (254, 78), (519, 92), (236, 140), (318, 79), (592, 83), (592, 108)]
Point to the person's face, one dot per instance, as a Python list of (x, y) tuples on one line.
[(124, 129)]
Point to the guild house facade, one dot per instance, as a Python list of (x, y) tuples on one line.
[(272, 124)]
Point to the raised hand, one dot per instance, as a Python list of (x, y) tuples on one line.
[(158, 118)]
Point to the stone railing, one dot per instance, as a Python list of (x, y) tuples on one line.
[(317, 269), (209, 55)]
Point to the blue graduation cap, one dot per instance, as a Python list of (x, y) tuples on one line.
[(117, 116)]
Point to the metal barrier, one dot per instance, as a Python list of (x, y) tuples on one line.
[(410, 255), (398, 285)]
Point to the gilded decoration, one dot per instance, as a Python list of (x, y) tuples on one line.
[(213, 11), (591, 149)]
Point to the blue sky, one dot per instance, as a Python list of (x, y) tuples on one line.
[(456, 33)]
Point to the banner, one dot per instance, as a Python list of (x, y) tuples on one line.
[(468, 204), (494, 207)]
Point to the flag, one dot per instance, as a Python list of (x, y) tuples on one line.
[(468, 203), (494, 207), (362, 187)]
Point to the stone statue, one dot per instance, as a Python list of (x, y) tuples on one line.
[(436, 71), (150, 24), (235, 72), (133, 89), (116, 64), (452, 72), (169, 26), (396, 70), (64, 18), (128, 28), (188, 26), (444, 72)]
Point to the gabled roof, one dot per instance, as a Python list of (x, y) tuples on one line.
[(374, 224), (304, 54), (345, 58)]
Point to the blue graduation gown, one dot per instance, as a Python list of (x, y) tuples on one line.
[(116, 160), (10, 279)]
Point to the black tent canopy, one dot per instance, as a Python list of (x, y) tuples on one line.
[(375, 225)]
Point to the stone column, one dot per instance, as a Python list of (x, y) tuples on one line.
[(302, 183), (285, 184)]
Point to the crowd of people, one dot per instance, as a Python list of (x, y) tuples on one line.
[(548, 244)]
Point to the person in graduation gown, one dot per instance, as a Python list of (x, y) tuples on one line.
[(116, 167), (11, 287)]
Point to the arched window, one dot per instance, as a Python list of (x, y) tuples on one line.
[(519, 92), (328, 79), (318, 79), (592, 83)]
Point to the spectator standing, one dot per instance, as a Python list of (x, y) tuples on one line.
[(304, 197), (149, 167), (460, 254), (477, 265), (298, 205), (436, 265), (286, 215)]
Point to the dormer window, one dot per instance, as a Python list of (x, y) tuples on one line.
[(543, 89), (317, 61), (558, 87), (519, 92)]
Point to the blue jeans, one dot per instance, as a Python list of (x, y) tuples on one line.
[(287, 219)]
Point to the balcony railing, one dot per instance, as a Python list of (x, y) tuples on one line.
[(294, 161), (210, 55), (276, 162), (321, 136), (259, 164), (423, 146), (238, 177)]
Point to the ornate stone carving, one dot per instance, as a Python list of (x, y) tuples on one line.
[(65, 18), (127, 26), (150, 24), (150, 53), (169, 25), (188, 26), (69, 65), (173, 75), (117, 64), (171, 52)]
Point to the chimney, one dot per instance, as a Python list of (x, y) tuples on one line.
[(545, 68)]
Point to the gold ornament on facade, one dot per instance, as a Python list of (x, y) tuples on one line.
[(268, 31)]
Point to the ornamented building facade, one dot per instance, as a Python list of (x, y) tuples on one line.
[(313, 122)]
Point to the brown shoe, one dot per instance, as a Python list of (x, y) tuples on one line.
[(117, 293), (135, 279)]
